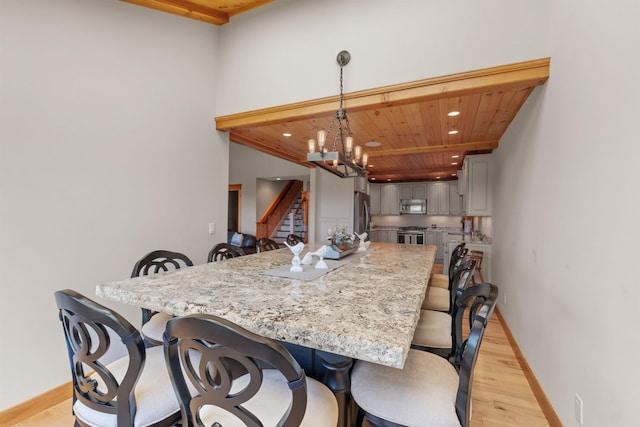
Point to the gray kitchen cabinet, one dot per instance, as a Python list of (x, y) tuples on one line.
[(374, 199), (436, 238), (455, 199), (384, 236), (389, 199), (392, 236), (416, 190), (476, 185), (438, 198)]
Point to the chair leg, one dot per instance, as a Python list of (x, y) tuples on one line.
[(359, 418)]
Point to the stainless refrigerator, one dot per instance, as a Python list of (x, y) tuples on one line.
[(361, 213)]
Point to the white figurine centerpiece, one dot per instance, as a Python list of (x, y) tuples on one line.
[(362, 246), (295, 262), (320, 253)]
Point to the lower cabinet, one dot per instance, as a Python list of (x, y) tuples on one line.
[(384, 236), (436, 238)]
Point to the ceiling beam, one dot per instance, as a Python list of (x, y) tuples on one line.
[(535, 72), (268, 148), (469, 146), (185, 8)]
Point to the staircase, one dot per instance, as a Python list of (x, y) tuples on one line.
[(286, 226)]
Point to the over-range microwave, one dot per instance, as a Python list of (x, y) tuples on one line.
[(413, 206)]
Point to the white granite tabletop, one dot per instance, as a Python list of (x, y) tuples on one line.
[(367, 309)]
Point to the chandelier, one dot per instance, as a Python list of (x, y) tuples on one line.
[(344, 160)]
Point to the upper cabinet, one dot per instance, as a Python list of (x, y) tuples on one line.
[(438, 198), (389, 199), (417, 190), (470, 195), (476, 185), (374, 198), (385, 199), (455, 199)]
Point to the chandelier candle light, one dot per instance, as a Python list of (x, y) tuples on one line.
[(351, 161)]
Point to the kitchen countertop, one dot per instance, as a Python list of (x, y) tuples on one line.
[(354, 311)]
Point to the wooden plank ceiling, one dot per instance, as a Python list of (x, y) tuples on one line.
[(215, 12), (410, 121)]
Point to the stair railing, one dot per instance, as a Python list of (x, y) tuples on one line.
[(304, 205), (278, 209)]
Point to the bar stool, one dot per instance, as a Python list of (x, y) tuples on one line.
[(477, 256)]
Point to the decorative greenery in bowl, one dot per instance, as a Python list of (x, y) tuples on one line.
[(339, 238)]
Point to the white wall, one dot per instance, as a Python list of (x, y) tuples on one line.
[(247, 164), (564, 229), (286, 51), (107, 150), (333, 204)]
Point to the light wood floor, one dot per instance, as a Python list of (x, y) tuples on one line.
[(501, 393)]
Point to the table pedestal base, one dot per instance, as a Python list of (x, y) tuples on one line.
[(333, 370)]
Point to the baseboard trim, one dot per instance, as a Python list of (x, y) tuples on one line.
[(38, 404), (538, 392)]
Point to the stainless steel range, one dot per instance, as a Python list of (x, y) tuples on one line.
[(411, 235)]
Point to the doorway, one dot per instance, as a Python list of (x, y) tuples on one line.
[(234, 208)]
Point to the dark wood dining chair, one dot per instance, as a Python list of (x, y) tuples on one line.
[(224, 251), (444, 280), (477, 275), (266, 244), (429, 390), (153, 323), (240, 378), (435, 332), (294, 239), (440, 299), (134, 390)]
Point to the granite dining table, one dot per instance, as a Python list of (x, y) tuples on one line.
[(366, 306)]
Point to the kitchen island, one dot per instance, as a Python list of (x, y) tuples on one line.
[(366, 309)]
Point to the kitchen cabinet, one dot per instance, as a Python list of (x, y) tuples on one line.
[(389, 199), (438, 198), (417, 190), (384, 236), (455, 199), (374, 199), (436, 238), (476, 185)]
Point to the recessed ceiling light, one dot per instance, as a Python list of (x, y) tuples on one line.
[(453, 113), (373, 144), (278, 179), (370, 166), (455, 156), (388, 179), (453, 174), (453, 132), (286, 134), (454, 163), (373, 179)]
